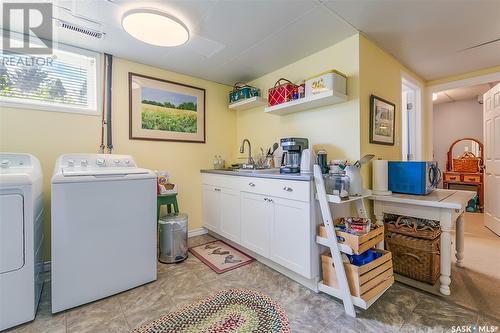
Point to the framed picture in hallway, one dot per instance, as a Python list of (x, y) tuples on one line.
[(382, 121), (164, 110)]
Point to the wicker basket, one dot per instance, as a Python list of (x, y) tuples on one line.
[(415, 258), (466, 164), (425, 232)]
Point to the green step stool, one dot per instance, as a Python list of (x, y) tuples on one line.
[(167, 199)]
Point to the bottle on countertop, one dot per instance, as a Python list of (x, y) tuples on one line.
[(221, 162)]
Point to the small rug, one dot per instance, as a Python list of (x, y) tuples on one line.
[(219, 256), (228, 311)]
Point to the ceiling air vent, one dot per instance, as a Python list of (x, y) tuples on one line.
[(83, 30)]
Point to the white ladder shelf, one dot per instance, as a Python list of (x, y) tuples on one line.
[(343, 292)]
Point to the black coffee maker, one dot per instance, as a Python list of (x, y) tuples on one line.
[(292, 153)]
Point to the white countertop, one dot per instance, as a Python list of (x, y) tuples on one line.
[(440, 198), (271, 173)]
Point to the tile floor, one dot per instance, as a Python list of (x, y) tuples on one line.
[(400, 309)]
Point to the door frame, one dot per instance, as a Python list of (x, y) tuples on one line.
[(408, 80), (472, 81)]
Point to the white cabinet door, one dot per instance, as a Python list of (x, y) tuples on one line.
[(230, 226), (491, 128), (211, 207), (256, 220), (291, 236)]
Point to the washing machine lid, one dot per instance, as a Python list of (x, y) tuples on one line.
[(73, 172), (97, 167)]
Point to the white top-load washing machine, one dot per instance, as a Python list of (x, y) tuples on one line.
[(21, 238), (103, 228)]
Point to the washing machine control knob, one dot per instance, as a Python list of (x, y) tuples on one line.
[(100, 162), (5, 163), (71, 163), (127, 162), (84, 163), (116, 162)]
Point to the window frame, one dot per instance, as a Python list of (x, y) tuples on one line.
[(45, 106)]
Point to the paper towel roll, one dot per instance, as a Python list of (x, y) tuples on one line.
[(380, 177)]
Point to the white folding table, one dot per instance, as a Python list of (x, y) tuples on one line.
[(446, 206)]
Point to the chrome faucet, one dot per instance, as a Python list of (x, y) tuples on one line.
[(242, 150)]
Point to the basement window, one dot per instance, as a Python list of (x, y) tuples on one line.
[(64, 81)]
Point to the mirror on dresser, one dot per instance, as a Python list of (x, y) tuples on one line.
[(464, 168)]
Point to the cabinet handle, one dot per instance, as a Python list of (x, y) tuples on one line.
[(251, 184), (288, 189), (217, 189)]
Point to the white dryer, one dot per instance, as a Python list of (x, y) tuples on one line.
[(103, 228), (21, 238)]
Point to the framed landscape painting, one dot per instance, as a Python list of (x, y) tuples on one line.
[(382, 121), (165, 110)]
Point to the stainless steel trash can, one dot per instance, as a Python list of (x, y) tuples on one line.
[(173, 238)]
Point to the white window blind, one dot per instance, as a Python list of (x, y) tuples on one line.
[(64, 81)]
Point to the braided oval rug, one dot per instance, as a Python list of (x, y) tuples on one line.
[(228, 311)]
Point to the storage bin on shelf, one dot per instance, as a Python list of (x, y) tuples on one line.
[(281, 92), (366, 281), (412, 226), (327, 81), (416, 258), (242, 91), (358, 243), (414, 244)]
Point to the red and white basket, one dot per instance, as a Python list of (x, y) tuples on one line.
[(281, 92)]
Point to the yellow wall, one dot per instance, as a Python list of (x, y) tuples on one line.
[(341, 129), (334, 128), (380, 75), (50, 134)]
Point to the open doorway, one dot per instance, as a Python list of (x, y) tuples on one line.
[(458, 139), (411, 140)]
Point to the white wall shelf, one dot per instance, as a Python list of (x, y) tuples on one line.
[(327, 98), (248, 103), (343, 291)]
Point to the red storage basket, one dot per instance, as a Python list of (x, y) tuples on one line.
[(281, 92)]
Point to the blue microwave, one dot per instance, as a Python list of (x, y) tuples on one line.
[(413, 177)]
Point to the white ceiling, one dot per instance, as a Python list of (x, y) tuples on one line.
[(429, 37), (230, 40), (463, 93), (240, 40)]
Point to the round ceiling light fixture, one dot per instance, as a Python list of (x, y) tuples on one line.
[(155, 27)]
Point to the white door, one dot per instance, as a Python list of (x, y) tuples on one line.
[(11, 232), (211, 207), (290, 236), (230, 226), (256, 220), (491, 109)]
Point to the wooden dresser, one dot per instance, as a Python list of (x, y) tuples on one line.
[(470, 177)]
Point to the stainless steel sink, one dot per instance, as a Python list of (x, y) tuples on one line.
[(257, 170)]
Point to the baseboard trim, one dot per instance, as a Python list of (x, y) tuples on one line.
[(197, 232), (191, 233)]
